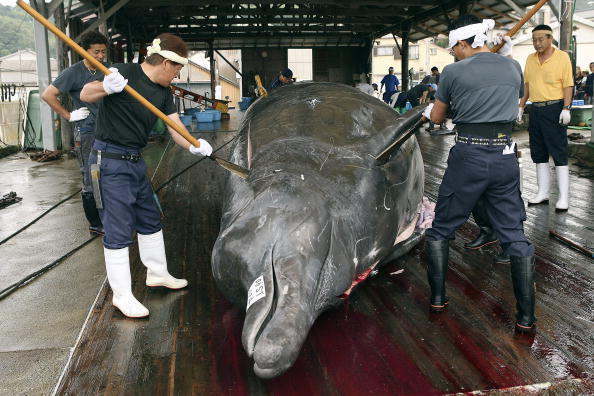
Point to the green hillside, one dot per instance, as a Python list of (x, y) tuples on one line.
[(17, 30)]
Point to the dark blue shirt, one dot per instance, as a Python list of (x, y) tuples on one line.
[(71, 81), (590, 84), (391, 82), (277, 83)]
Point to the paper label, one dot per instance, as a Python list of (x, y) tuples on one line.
[(256, 292)]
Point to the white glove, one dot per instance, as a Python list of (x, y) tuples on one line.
[(565, 117), (79, 114), (506, 50), (114, 82), (204, 149), (520, 114), (427, 111)]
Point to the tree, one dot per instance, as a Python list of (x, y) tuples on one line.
[(17, 30)]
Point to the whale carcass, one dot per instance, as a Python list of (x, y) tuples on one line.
[(317, 212)]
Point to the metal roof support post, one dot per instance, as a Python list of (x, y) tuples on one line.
[(65, 126), (43, 77), (213, 82), (368, 62), (404, 59)]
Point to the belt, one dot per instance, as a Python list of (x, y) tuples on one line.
[(483, 141), (135, 157), (547, 103), (487, 130)]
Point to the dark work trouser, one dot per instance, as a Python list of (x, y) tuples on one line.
[(128, 202), (547, 136), (474, 171), (83, 143), (388, 95)]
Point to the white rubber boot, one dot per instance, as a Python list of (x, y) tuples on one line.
[(152, 254), (543, 180), (117, 264), (563, 182)]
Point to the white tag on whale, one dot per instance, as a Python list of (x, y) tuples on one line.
[(256, 292)]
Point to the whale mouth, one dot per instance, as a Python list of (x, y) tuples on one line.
[(276, 326)]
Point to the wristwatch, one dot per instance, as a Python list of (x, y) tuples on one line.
[(568, 107)]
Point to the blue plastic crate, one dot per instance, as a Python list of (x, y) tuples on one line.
[(186, 119), (244, 103), (204, 116), (216, 114), (577, 103)]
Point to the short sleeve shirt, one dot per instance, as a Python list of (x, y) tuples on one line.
[(71, 81), (391, 82), (483, 88), (122, 119), (417, 91), (546, 81)]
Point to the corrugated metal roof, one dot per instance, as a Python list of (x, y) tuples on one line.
[(311, 23)]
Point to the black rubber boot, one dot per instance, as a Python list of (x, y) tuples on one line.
[(91, 213), (437, 266), (502, 258), (522, 273), (486, 236)]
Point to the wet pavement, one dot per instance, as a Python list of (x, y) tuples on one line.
[(383, 340)]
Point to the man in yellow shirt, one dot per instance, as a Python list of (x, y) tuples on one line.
[(548, 81)]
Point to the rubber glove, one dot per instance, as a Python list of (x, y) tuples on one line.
[(79, 114), (520, 114), (427, 111), (204, 149), (506, 50), (565, 117), (114, 82)]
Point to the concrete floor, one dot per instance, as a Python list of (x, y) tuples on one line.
[(41, 322)]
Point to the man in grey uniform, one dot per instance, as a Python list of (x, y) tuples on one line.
[(483, 90), (71, 81)]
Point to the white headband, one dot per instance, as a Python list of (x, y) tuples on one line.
[(478, 30), (172, 56)]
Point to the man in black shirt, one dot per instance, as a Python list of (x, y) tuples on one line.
[(122, 131), (71, 81), (415, 95)]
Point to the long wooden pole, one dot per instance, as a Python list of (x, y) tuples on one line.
[(98, 65), (521, 23)]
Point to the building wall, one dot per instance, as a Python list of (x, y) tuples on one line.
[(423, 55), (199, 77), (232, 91), (20, 68)]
